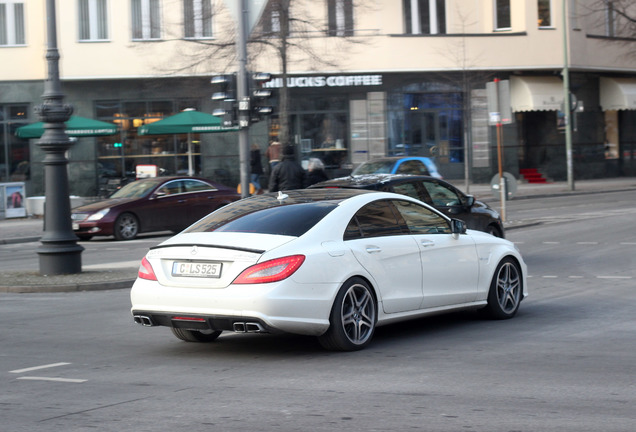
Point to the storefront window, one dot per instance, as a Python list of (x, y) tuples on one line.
[(14, 151), (427, 124), (319, 127), (119, 155)]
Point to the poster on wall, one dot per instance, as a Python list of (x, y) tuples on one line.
[(15, 200)]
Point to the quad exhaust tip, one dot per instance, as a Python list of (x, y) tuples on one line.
[(248, 327), (144, 320)]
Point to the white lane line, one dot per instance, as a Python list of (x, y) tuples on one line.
[(549, 277), (575, 277), (628, 243), (587, 243), (614, 277), (38, 367), (133, 264), (66, 380), (551, 242)]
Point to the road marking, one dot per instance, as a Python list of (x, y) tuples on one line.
[(628, 243), (575, 277), (66, 380), (549, 277), (551, 242), (38, 367), (587, 243), (134, 264), (614, 277)]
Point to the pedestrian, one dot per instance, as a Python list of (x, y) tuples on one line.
[(315, 172), (288, 174), (256, 168), (273, 154)]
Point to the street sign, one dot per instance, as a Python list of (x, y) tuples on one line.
[(254, 11), (498, 96)]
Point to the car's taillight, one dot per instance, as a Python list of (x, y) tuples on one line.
[(146, 271), (271, 271)]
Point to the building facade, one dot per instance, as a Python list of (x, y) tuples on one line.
[(365, 79)]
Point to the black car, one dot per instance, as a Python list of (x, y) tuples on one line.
[(438, 193)]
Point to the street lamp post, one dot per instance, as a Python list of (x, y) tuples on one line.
[(59, 252), (567, 112)]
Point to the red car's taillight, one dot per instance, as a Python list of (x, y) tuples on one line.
[(146, 271), (271, 271)]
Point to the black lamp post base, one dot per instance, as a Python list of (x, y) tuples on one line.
[(60, 259)]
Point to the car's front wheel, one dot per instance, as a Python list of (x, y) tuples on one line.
[(493, 230), (126, 227), (352, 319), (195, 335), (506, 290)]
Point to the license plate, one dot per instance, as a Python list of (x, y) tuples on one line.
[(196, 269)]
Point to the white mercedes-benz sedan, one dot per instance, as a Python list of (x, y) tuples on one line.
[(331, 263)]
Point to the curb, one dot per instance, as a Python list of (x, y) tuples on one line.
[(75, 287)]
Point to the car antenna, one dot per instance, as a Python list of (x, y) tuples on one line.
[(281, 196)]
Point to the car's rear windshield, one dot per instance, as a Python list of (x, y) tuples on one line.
[(134, 190), (374, 167), (285, 219)]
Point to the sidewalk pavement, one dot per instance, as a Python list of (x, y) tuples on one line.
[(22, 230)]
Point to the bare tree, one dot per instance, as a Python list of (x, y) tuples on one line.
[(287, 29), (613, 19)]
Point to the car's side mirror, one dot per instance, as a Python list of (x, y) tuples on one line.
[(470, 200), (458, 227), (159, 194)]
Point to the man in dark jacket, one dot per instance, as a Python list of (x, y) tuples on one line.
[(288, 174)]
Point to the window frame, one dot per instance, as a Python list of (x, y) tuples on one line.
[(499, 7), (95, 29), (196, 24), (145, 20), (340, 18), (424, 17), (12, 32), (548, 11)]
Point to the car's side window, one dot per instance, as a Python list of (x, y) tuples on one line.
[(171, 188), (412, 167), (441, 195), (407, 189), (421, 220), (196, 186), (376, 219)]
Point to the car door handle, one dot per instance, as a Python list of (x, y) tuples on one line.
[(181, 201), (427, 243), (373, 249)]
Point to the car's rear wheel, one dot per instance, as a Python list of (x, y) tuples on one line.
[(506, 290), (126, 227), (195, 335), (352, 319)]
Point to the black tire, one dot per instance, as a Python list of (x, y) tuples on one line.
[(195, 335), (506, 290), (126, 227), (493, 230), (84, 237), (352, 319)]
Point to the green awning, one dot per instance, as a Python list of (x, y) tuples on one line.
[(187, 121), (76, 126)]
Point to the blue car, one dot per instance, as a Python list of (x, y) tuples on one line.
[(415, 165)]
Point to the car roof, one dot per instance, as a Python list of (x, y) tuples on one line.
[(396, 158), (367, 180), (303, 196)]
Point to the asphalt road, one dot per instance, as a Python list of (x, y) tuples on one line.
[(76, 362)]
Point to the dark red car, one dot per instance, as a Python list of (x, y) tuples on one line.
[(152, 204)]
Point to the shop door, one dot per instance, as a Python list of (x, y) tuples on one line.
[(424, 133)]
